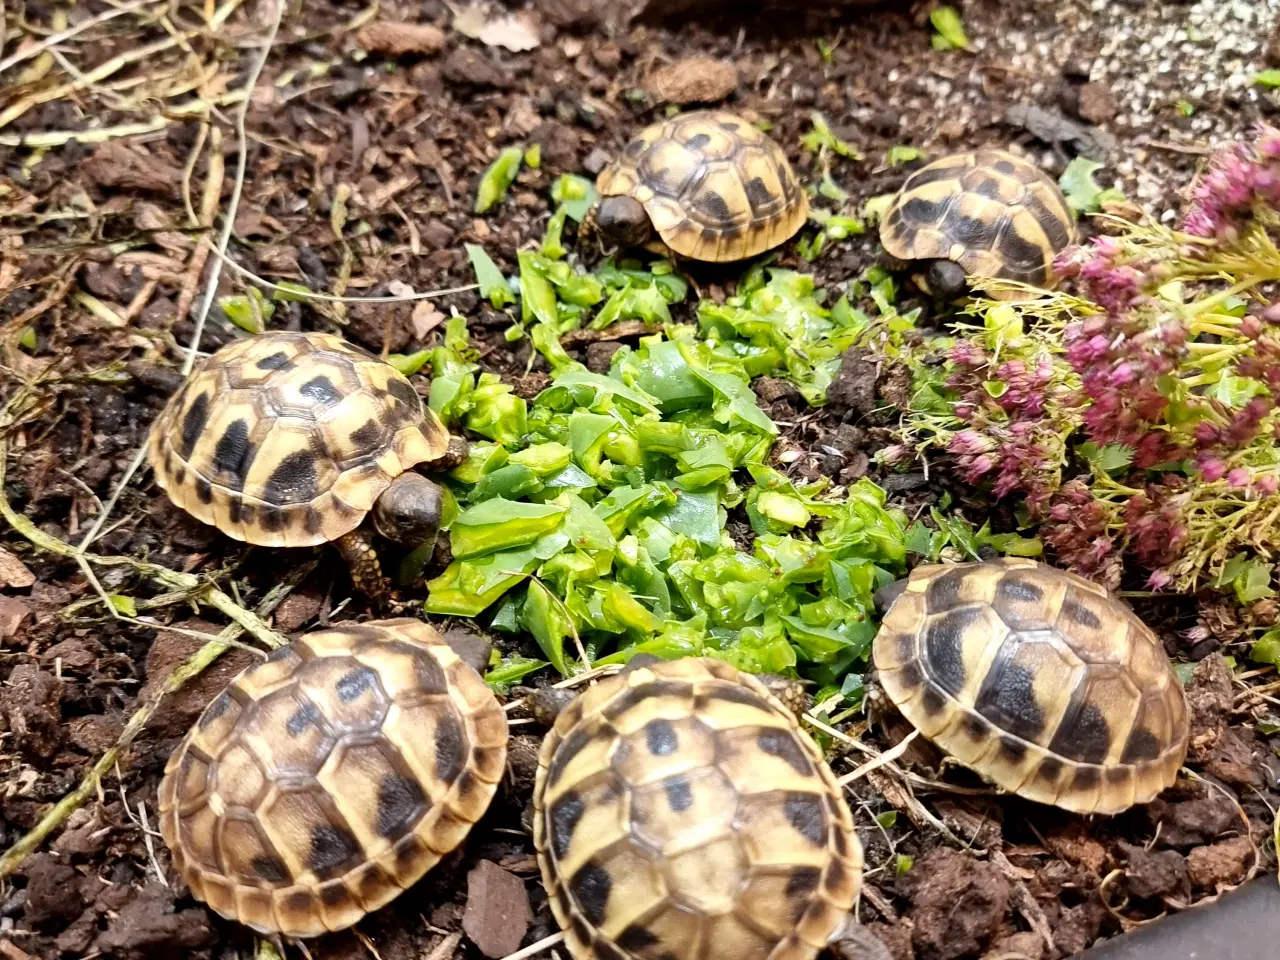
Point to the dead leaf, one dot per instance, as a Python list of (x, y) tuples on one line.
[(12, 613), (514, 31), (425, 318), (13, 572), (497, 913)]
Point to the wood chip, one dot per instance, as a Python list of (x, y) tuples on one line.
[(695, 80), (12, 613), (497, 914), (398, 39), (13, 572)]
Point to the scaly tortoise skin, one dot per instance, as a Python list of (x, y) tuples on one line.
[(331, 776), (682, 814), (290, 439), (1039, 680), (993, 213), (713, 186)]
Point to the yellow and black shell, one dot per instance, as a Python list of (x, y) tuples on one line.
[(993, 213), (331, 776), (287, 439), (1039, 680), (682, 814), (715, 187)]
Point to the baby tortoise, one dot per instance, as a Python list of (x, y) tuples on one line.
[(680, 813), (292, 439), (981, 214), (709, 183), (1039, 680), (331, 776)]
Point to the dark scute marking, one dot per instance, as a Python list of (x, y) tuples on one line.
[(660, 737), (636, 937), (911, 676), (449, 748), (298, 903), (319, 389), (1005, 166), (971, 231), (366, 436), (569, 748), (1050, 769), (679, 793), (269, 869), (918, 210), (758, 193), (943, 647), (944, 591), (1015, 249), (272, 519), (330, 848), (351, 685), (934, 173), (1012, 750), (933, 701), (234, 454), (1086, 778), (634, 696), (782, 744), (604, 950), (975, 726), (431, 678), (405, 393), (311, 520), (836, 874), (281, 653), (1142, 745), (1018, 590), (334, 894), (220, 705), (1008, 699), (989, 188), (565, 815), (714, 206), (235, 510), (736, 694), (590, 886), (697, 141), (841, 843), (1077, 612), (305, 716), (804, 811), (193, 422), (204, 490), (729, 125), (1083, 736), (400, 799), (276, 361), (1051, 223), (580, 929), (635, 148), (293, 480), (802, 882)]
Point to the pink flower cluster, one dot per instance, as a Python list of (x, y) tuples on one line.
[(1238, 180), (1078, 531)]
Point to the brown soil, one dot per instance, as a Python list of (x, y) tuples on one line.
[(362, 175)]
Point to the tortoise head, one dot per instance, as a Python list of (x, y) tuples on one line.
[(409, 510), (945, 279), (623, 220)]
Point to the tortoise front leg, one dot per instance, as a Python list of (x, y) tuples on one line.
[(357, 549)]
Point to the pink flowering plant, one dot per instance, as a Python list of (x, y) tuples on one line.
[(1135, 413)]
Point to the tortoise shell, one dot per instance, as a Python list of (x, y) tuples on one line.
[(993, 213), (287, 439), (715, 187), (1038, 679), (682, 814), (331, 776)]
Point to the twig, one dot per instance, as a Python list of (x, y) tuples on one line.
[(875, 763), (535, 948), (149, 842), (237, 187)]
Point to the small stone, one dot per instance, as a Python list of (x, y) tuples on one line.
[(1154, 873), (13, 572), (596, 161), (695, 80), (13, 613), (297, 610), (75, 653), (469, 68), (1097, 103), (33, 707), (399, 39), (497, 913), (1221, 864)]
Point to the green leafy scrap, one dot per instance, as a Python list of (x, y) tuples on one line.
[(1081, 189), (950, 27), (497, 179)]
